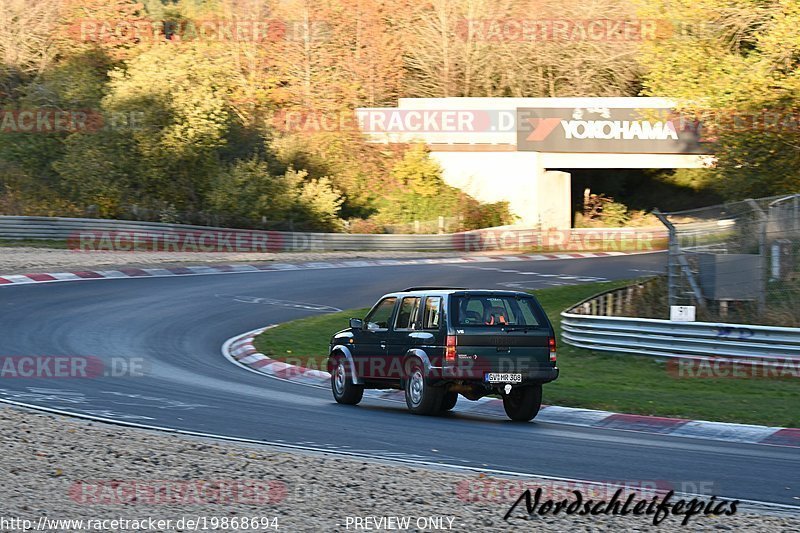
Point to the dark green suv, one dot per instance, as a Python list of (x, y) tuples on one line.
[(436, 343)]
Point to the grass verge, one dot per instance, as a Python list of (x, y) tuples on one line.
[(31, 243), (596, 380)]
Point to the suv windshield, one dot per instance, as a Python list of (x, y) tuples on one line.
[(497, 311)]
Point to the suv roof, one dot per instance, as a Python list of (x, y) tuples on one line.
[(419, 289), (451, 290)]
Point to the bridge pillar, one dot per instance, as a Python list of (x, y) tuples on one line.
[(538, 197)]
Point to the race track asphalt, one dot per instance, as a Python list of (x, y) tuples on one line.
[(176, 326)]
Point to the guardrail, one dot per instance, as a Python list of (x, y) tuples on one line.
[(665, 338), (512, 238)]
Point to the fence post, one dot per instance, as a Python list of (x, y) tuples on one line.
[(629, 299), (677, 255), (671, 256), (762, 252), (797, 212)]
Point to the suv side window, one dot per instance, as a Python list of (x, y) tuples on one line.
[(433, 307), (378, 319), (408, 313)]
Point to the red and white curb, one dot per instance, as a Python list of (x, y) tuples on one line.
[(241, 351), (84, 275)]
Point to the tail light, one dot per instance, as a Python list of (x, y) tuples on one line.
[(551, 341), (450, 349)]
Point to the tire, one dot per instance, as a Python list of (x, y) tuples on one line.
[(448, 401), (344, 391), (421, 397), (523, 404)]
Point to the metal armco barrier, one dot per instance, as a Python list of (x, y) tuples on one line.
[(511, 238), (665, 338)]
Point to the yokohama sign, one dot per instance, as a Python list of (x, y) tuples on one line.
[(606, 130)]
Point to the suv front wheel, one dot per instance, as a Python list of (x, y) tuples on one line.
[(523, 403), (344, 391), (421, 397)]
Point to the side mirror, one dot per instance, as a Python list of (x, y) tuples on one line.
[(356, 323)]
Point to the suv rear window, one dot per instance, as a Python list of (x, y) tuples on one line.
[(488, 310)]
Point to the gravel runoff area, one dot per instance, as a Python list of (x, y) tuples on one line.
[(63, 468), (27, 260)]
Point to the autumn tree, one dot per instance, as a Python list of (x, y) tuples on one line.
[(734, 66), (479, 48), (26, 41)]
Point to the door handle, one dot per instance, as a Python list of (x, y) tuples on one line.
[(383, 344)]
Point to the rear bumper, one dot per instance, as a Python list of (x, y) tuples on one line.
[(541, 376), (448, 373)]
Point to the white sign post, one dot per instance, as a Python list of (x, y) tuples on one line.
[(681, 313)]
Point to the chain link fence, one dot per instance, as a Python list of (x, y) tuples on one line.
[(737, 262), (438, 225)]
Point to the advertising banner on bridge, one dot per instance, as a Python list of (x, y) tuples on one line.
[(607, 130)]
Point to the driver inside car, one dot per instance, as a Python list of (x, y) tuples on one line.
[(495, 315)]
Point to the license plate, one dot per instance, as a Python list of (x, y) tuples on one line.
[(503, 378)]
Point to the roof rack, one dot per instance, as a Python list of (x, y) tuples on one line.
[(410, 289)]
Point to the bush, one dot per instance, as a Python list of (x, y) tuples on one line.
[(614, 214), (602, 211), (422, 195), (360, 225)]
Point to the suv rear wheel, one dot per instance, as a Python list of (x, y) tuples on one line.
[(523, 403), (344, 391), (421, 397), (449, 401)]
